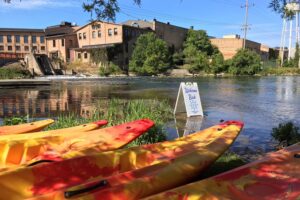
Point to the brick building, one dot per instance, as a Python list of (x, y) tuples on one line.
[(17, 42), (60, 39), (230, 44)]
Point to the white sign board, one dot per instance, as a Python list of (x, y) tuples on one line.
[(188, 95)]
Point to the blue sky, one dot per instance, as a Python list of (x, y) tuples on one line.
[(217, 17)]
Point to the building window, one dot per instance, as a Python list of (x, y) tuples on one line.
[(71, 43), (115, 31), (34, 48), (84, 36), (18, 48), (62, 42), (9, 48), (85, 55), (99, 34), (109, 32), (96, 26), (43, 48), (94, 34), (17, 38), (25, 39), (1, 48), (79, 36), (1, 38), (26, 48), (42, 39), (33, 39), (54, 43), (126, 47), (9, 40), (79, 56)]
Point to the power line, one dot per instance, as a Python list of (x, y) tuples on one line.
[(246, 25)]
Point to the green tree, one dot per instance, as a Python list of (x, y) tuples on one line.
[(150, 55), (198, 50), (200, 40), (245, 62), (217, 64), (279, 6)]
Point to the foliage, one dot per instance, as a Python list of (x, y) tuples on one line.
[(286, 134), (226, 162), (279, 6), (280, 71), (196, 60), (178, 58), (217, 64), (109, 69), (15, 120), (118, 111), (104, 9), (7, 73), (245, 62), (198, 50), (150, 55), (200, 41)]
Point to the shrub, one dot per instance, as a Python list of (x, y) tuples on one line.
[(7, 73), (111, 68), (245, 62), (286, 134), (150, 55)]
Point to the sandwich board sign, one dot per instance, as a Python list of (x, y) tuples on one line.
[(188, 100)]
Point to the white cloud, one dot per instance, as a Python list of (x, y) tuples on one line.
[(36, 4)]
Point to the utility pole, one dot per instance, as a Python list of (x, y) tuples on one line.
[(246, 25)]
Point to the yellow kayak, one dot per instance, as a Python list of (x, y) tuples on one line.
[(189, 155), (25, 128)]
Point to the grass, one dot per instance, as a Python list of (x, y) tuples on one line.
[(7, 73), (118, 111), (280, 71), (226, 162)]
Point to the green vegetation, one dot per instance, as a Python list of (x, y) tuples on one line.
[(280, 71), (286, 134), (198, 50), (245, 62), (150, 55), (118, 111), (7, 73), (110, 69), (226, 162), (15, 120)]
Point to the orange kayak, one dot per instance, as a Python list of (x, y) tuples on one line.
[(169, 173), (32, 149), (55, 176), (25, 128), (276, 176)]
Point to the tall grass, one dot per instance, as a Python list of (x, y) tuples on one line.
[(118, 111), (6, 73)]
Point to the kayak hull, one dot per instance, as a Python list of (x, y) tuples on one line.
[(277, 176), (25, 128), (43, 179), (169, 173)]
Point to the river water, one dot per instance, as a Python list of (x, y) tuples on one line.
[(261, 102)]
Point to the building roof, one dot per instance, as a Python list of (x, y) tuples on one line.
[(22, 30), (61, 29), (139, 23)]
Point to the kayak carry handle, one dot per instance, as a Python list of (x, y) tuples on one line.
[(39, 162), (69, 194)]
